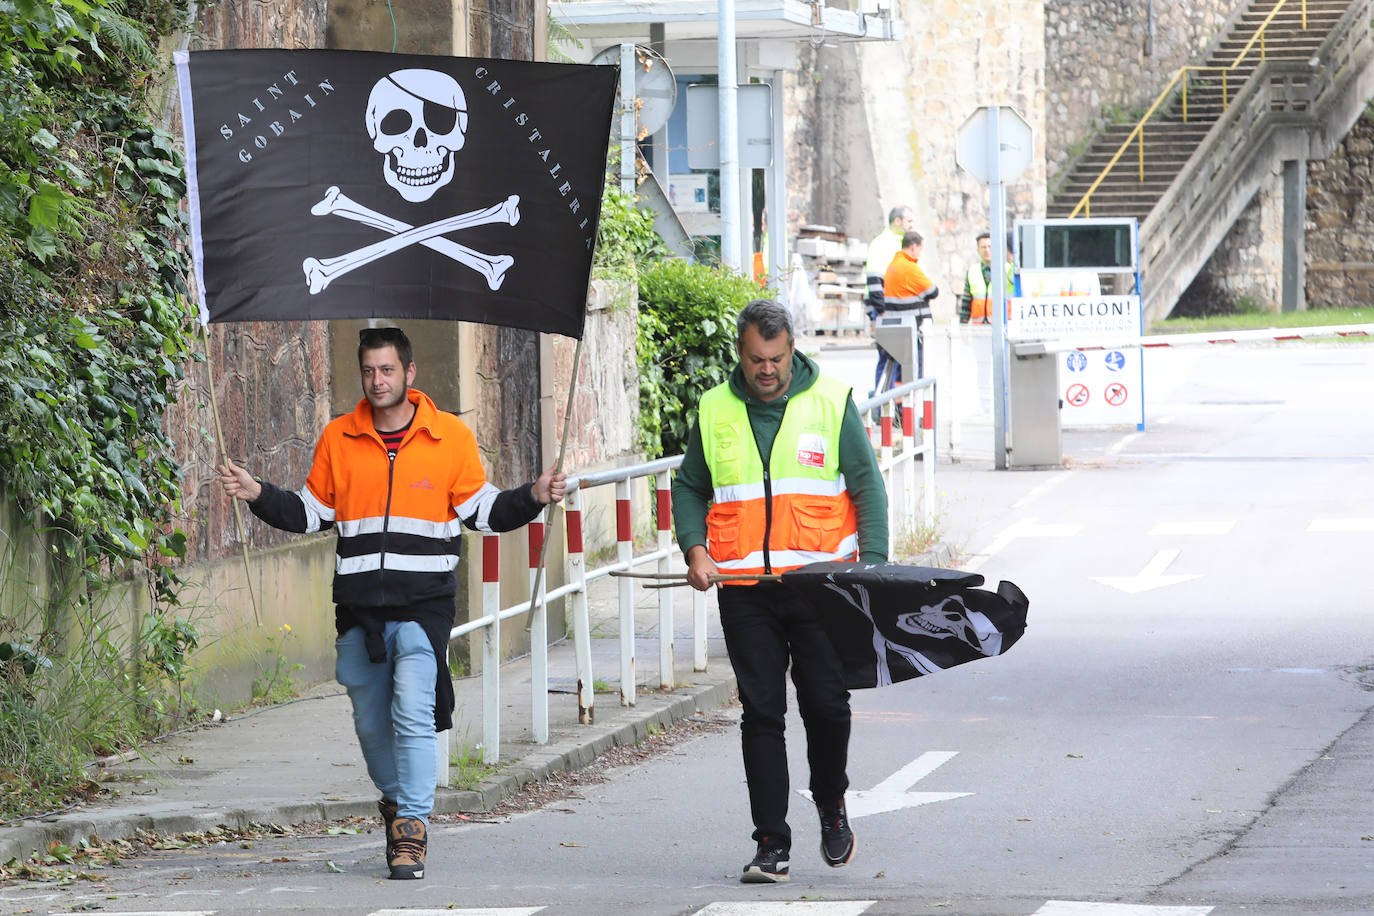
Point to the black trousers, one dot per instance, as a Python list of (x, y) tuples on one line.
[(765, 628)]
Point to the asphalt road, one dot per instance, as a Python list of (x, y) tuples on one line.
[(1185, 728)]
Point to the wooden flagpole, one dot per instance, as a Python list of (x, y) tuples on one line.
[(673, 580), (558, 466), (224, 457)]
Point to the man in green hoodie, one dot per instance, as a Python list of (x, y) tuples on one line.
[(784, 475)]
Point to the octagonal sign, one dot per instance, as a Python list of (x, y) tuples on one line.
[(1013, 141)]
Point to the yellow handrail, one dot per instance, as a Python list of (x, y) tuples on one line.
[(1138, 132)]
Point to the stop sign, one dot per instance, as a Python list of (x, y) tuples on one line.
[(1013, 141)]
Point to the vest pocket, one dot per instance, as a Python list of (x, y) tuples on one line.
[(723, 526), (817, 523)]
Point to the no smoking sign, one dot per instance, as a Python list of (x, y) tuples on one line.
[(1077, 395)]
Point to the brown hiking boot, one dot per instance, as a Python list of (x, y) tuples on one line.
[(407, 840), (388, 809)]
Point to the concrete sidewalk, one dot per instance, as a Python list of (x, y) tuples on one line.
[(300, 761)]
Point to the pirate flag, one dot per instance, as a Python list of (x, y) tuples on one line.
[(351, 184), (891, 623)]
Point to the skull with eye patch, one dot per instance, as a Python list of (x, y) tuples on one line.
[(417, 120), (941, 621)]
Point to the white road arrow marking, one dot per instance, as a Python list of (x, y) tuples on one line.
[(1025, 528), (1152, 576), (891, 794)]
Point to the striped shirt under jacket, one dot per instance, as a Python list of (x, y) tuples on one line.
[(399, 521)]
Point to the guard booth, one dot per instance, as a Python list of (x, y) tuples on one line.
[(1075, 279)]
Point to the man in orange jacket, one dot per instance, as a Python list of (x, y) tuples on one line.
[(397, 479), (907, 288)]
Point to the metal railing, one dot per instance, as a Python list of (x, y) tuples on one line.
[(897, 459), (1180, 79)]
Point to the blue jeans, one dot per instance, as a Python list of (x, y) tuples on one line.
[(393, 713)]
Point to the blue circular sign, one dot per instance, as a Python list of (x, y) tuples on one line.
[(1077, 362), (1115, 360)]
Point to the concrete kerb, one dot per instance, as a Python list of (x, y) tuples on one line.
[(580, 748), (624, 726)]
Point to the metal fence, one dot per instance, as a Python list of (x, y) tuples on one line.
[(899, 450)]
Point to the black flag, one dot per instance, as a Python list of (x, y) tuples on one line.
[(891, 622), (352, 184)]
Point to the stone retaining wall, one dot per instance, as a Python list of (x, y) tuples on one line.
[(1340, 223), (1103, 66)]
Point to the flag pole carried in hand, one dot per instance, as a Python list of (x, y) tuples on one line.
[(891, 622)]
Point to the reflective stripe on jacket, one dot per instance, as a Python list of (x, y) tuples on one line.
[(399, 522), (904, 285), (795, 512), (880, 252)]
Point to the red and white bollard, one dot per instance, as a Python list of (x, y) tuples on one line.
[(624, 545), (664, 506), (582, 637), (539, 636), (491, 649)]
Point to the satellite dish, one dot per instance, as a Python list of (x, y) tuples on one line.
[(655, 88)]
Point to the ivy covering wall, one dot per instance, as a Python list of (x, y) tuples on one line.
[(95, 337)]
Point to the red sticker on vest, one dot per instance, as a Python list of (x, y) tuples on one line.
[(811, 450)]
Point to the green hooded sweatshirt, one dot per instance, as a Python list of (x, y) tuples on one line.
[(692, 486)]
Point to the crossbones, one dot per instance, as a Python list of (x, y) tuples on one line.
[(319, 273)]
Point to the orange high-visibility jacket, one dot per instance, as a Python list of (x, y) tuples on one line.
[(798, 510), (399, 521)]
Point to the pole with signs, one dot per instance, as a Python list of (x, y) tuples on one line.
[(995, 146), (998, 228), (729, 138)]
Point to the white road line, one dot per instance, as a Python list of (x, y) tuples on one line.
[(1124, 441), (1024, 528), (789, 908), (1342, 525), (1040, 490), (463, 911), (1172, 529), (1072, 908)]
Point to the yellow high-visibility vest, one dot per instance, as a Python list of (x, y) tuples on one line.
[(797, 512), (981, 293)]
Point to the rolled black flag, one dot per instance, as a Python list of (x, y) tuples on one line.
[(892, 623), (354, 184)]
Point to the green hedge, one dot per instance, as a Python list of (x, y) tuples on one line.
[(686, 345)]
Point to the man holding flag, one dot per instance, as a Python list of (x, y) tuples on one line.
[(397, 478), (779, 473)]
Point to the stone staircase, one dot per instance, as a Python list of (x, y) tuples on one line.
[(1296, 103), (1169, 140)]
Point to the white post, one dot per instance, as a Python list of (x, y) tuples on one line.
[(627, 118), (625, 553), (491, 649), (698, 630), (885, 462), (777, 197), (729, 137), (909, 453), (928, 450), (997, 212), (441, 748), (539, 637), (666, 679), (582, 636)]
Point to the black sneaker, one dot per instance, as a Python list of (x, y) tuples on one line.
[(768, 867), (837, 839)]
